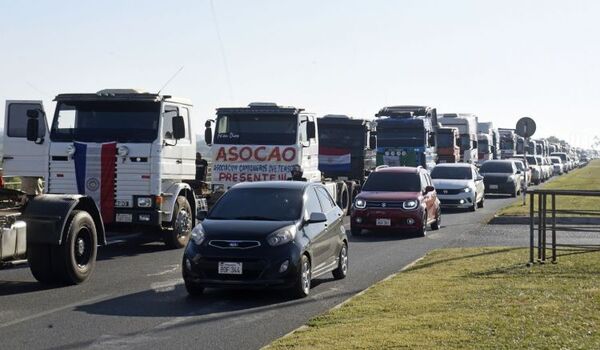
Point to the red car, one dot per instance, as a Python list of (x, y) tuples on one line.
[(397, 199)]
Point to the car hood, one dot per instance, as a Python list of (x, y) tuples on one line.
[(388, 196), (451, 184), (241, 229)]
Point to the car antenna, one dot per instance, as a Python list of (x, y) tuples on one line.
[(168, 81)]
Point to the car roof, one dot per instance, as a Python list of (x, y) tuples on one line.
[(454, 165), (498, 161), (300, 185), (399, 169)]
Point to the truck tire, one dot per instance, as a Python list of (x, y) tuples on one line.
[(343, 196), (40, 262), (178, 235), (74, 260)]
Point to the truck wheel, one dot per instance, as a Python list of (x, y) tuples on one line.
[(343, 197), (179, 233), (73, 261), (40, 262)]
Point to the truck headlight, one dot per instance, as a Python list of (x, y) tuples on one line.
[(360, 203), (412, 204), (144, 202), (282, 236), (198, 234)]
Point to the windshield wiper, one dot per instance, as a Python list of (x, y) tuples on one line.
[(255, 217)]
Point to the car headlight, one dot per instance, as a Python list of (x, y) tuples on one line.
[(467, 189), (360, 203), (198, 234), (412, 204), (144, 202), (282, 236)]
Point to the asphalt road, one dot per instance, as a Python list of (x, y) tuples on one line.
[(136, 297)]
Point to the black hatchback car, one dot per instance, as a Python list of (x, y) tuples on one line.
[(267, 234)]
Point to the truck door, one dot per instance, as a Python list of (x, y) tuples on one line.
[(172, 154), (23, 157)]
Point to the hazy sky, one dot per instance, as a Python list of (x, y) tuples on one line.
[(502, 60)]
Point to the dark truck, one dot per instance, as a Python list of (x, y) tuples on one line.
[(346, 152)]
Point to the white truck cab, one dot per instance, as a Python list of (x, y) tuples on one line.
[(130, 151)]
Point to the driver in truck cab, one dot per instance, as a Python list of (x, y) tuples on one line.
[(297, 174)]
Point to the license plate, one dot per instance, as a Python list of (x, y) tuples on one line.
[(383, 222), (230, 268), (122, 204), (124, 217), (493, 187)]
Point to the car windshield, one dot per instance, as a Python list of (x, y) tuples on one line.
[(106, 121), (269, 204), (256, 129), (393, 182), (555, 160), (496, 167), (532, 160), (452, 173), (519, 165)]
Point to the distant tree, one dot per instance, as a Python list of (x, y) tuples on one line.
[(554, 139)]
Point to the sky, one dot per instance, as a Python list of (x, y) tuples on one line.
[(499, 59)]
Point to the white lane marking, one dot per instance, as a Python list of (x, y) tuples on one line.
[(166, 286), (173, 268), (51, 311)]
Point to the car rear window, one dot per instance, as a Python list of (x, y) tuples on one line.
[(496, 167), (393, 182), (452, 173), (270, 204)]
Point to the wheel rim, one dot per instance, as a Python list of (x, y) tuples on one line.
[(305, 277), (183, 224), (344, 260), (82, 248)]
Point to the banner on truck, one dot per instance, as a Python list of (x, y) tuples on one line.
[(334, 159), (240, 163)]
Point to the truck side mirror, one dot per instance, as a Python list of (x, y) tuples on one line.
[(208, 136), (33, 113), (372, 142), (311, 131), (33, 126), (178, 127)]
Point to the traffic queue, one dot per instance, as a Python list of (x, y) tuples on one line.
[(270, 214)]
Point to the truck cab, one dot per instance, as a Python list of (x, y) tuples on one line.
[(508, 143), (406, 136), (448, 145), (485, 148), (467, 127), (130, 151)]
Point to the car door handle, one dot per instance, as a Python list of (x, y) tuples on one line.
[(179, 161)]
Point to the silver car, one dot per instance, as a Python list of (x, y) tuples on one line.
[(458, 185)]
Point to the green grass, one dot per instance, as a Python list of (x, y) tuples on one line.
[(471, 298), (587, 178)]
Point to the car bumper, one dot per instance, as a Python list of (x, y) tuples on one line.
[(399, 219), (260, 266), (505, 188), (462, 200)]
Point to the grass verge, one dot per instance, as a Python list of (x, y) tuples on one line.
[(468, 298), (586, 178)]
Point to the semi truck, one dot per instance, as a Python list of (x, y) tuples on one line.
[(129, 153), (532, 148), (484, 148), (487, 128), (508, 143), (448, 145), (346, 150), (265, 142), (406, 136), (467, 127)]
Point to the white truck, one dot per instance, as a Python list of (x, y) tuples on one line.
[(466, 124), (487, 128), (263, 142), (126, 153)]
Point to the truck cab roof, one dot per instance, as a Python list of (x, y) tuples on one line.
[(404, 111), (121, 95), (261, 108)]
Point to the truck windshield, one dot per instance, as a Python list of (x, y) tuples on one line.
[(465, 142), (256, 129), (452, 173), (445, 140), (266, 204), (400, 137), (105, 121), (507, 143), (483, 146), (393, 182), (330, 136)]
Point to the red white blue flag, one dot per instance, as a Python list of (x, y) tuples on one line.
[(334, 159), (95, 175)]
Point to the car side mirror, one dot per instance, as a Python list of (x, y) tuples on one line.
[(316, 217), (33, 125), (429, 189), (178, 127), (479, 178), (208, 136)]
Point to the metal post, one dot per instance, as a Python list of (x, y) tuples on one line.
[(531, 228), (539, 225), (554, 228), (543, 223)]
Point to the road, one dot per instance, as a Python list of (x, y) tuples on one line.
[(136, 298)]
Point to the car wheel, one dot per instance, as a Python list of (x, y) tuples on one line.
[(474, 206), (422, 232), (193, 289), (302, 286), (342, 270), (438, 221), (481, 202)]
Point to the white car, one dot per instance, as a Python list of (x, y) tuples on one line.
[(458, 185), (558, 165)]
